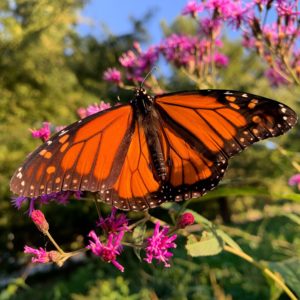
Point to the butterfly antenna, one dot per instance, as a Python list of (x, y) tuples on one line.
[(148, 74)]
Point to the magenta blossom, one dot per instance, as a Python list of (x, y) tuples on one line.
[(109, 251), (112, 75), (43, 133), (41, 255), (295, 180), (94, 108), (221, 60), (18, 201), (158, 245), (114, 223), (287, 8), (275, 78), (185, 219), (39, 220), (60, 197), (192, 8), (128, 59)]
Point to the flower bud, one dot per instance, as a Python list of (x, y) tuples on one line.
[(185, 220), (39, 220)]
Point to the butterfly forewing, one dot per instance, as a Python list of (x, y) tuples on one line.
[(226, 121), (87, 155)]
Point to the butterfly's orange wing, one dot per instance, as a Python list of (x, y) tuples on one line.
[(136, 182), (109, 152), (87, 156), (201, 130)]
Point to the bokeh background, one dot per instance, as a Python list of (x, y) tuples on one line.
[(52, 58)]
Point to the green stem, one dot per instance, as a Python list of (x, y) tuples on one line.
[(61, 251), (267, 271)]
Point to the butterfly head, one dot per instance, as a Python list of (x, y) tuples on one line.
[(142, 102)]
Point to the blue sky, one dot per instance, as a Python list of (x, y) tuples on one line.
[(115, 15)]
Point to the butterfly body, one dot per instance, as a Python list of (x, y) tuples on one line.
[(169, 147)]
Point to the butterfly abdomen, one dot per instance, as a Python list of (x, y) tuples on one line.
[(155, 147)]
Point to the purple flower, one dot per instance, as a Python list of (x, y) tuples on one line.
[(41, 255), (112, 75), (221, 60), (179, 49), (114, 223), (81, 112), (109, 251), (94, 108), (207, 26), (128, 59), (18, 201), (59, 128), (287, 8), (275, 78), (60, 197), (295, 180), (43, 133), (158, 245), (192, 8)]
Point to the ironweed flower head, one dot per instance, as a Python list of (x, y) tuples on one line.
[(158, 245), (128, 59), (43, 133), (295, 180), (112, 75), (96, 107), (107, 252), (41, 255), (192, 8), (114, 223), (18, 201), (59, 197)]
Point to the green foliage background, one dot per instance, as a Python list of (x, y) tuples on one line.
[(47, 71)]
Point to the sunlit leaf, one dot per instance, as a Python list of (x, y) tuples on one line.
[(208, 245)]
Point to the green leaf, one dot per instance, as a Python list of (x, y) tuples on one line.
[(293, 217), (227, 239), (138, 238), (207, 246), (290, 271), (211, 227)]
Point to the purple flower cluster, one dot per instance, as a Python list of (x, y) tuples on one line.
[(295, 180), (274, 40), (40, 255), (192, 8), (112, 75), (59, 197), (114, 223), (43, 133), (107, 251), (114, 226), (137, 63), (159, 244), (92, 109)]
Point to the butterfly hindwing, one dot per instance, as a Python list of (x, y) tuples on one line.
[(203, 129)]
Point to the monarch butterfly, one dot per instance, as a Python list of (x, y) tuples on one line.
[(169, 147)]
